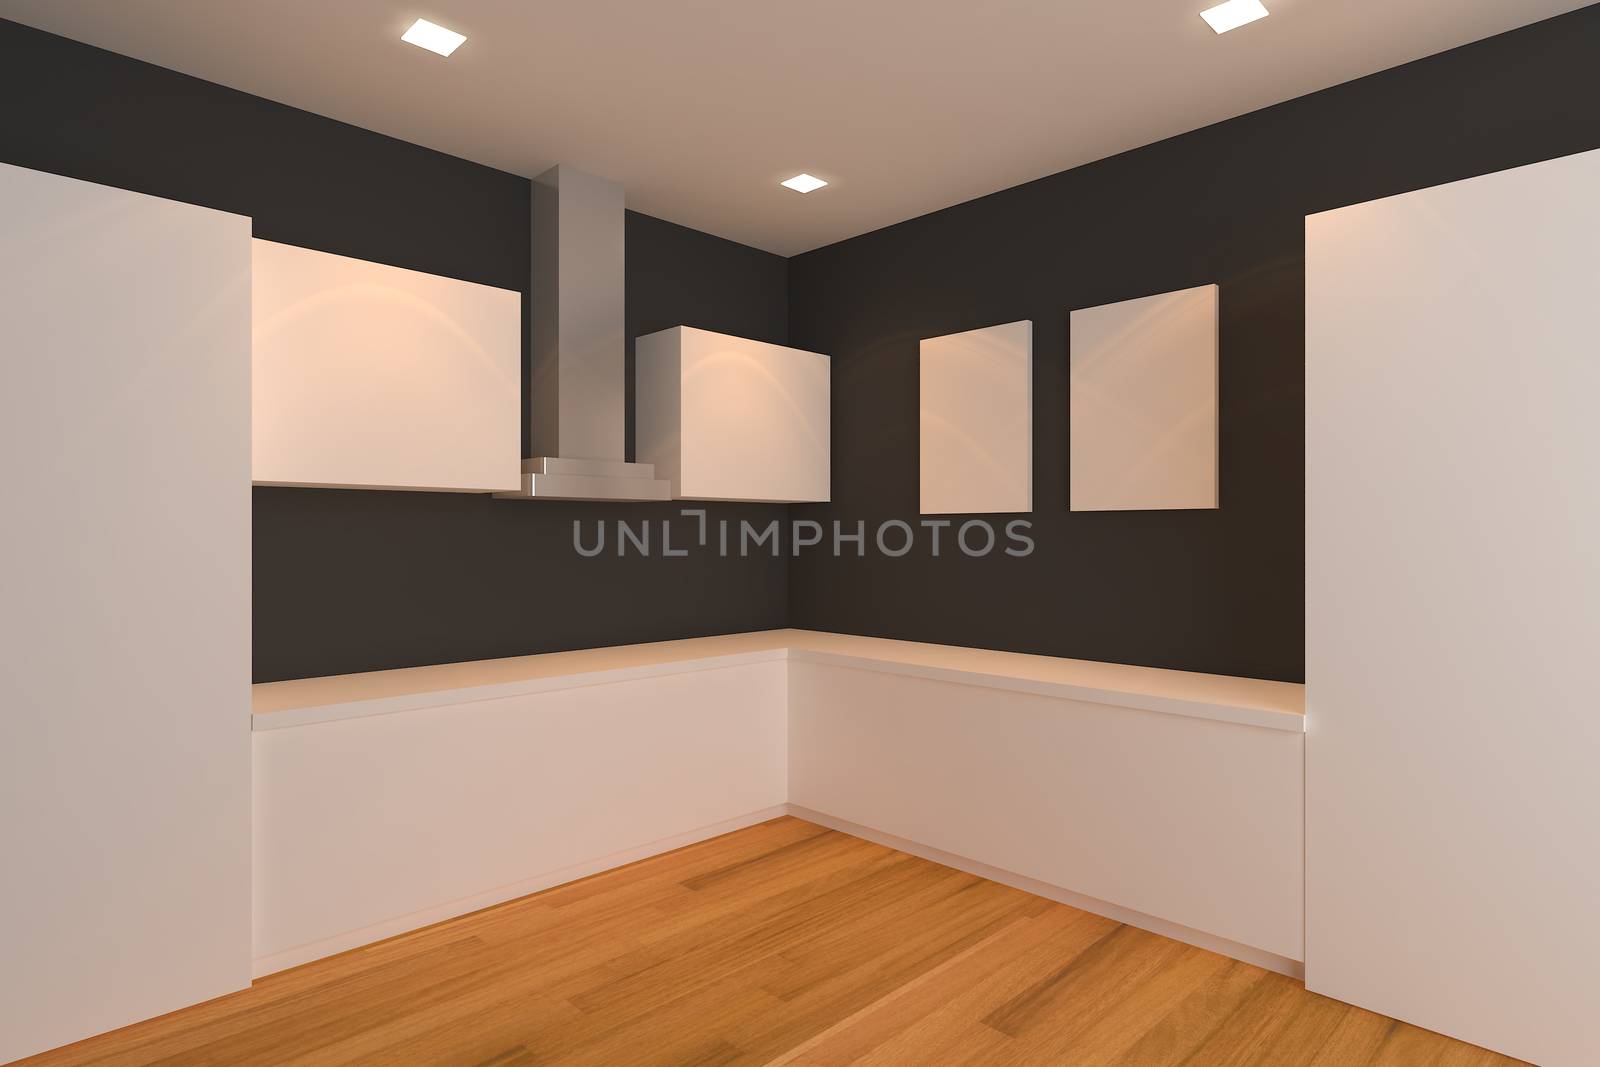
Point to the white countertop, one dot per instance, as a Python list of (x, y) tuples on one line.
[(1248, 701)]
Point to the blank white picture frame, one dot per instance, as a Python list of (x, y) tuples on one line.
[(367, 376), (1143, 397), (977, 421)]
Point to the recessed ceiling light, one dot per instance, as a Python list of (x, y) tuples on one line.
[(1233, 14), (803, 183), (433, 37)]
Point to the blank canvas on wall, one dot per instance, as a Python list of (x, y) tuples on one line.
[(1143, 423), (977, 421), (368, 376)]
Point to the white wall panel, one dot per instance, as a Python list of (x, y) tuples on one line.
[(1193, 821), (125, 610), (977, 421), (1143, 420), (727, 418), (372, 377), (1453, 849), (367, 827)]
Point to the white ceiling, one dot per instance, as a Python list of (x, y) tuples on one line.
[(700, 107)]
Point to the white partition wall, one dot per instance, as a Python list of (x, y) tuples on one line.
[(976, 394), (125, 678), (1452, 584), (371, 377)]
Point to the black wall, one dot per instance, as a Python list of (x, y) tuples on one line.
[(354, 581), (1218, 591), (350, 581)]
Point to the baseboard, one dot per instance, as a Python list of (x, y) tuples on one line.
[(402, 924), (1244, 953)]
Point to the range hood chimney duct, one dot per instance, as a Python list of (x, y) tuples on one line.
[(577, 334)]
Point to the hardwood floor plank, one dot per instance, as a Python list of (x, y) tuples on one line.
[(1174, 1037), (782, 944), (1028, 1006), (719, 907), (818, 1005), (910, 883), (1312, 1022), (850, 1039), (958, 1026), (1122, 1014), (1248, 1033), (956, 909)]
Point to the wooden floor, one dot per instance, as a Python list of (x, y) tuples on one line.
[(781, 944)]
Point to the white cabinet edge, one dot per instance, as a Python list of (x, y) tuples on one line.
[(1233, 714)]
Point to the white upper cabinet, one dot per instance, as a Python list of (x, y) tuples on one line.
[(1143, 424), (372, 377), (726, 418), (977, 421)]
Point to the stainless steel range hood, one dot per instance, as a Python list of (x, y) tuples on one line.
[(577, 335)]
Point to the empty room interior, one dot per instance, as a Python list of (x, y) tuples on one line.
[(606, 532)]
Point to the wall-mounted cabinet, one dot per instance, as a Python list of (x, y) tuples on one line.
[(726, 418), (1143, 426), (977, 421), (372, 377)]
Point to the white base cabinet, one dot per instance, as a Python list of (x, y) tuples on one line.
[(1190, 820), (367, 827), (388, 801)]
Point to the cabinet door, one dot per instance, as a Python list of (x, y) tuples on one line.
[(125, 678), (367, 376), (728, 418), (1453, 608)]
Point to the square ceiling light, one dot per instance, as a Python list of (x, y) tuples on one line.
[(1233, 14), (433, 37), (803, 183)]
